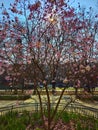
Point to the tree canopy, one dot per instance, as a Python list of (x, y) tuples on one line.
[(37, 38)]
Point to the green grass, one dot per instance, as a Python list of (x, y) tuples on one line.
[(20, 121)]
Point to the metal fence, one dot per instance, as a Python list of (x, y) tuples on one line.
[(35, 107)]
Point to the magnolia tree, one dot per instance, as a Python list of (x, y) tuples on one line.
[(82, 51), (43, 40)]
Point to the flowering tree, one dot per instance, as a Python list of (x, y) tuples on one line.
[(37, 38), (83, 53)]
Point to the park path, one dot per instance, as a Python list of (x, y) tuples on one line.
[(80, 106), (5, 103), (93, 104)]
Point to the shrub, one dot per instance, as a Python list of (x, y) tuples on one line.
[(14, 97)]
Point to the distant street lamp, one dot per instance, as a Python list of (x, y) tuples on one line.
[(53, 17), (88, 68)]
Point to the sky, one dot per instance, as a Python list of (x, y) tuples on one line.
[(84, 3)]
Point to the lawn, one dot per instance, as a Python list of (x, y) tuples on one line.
[(32, 121)]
